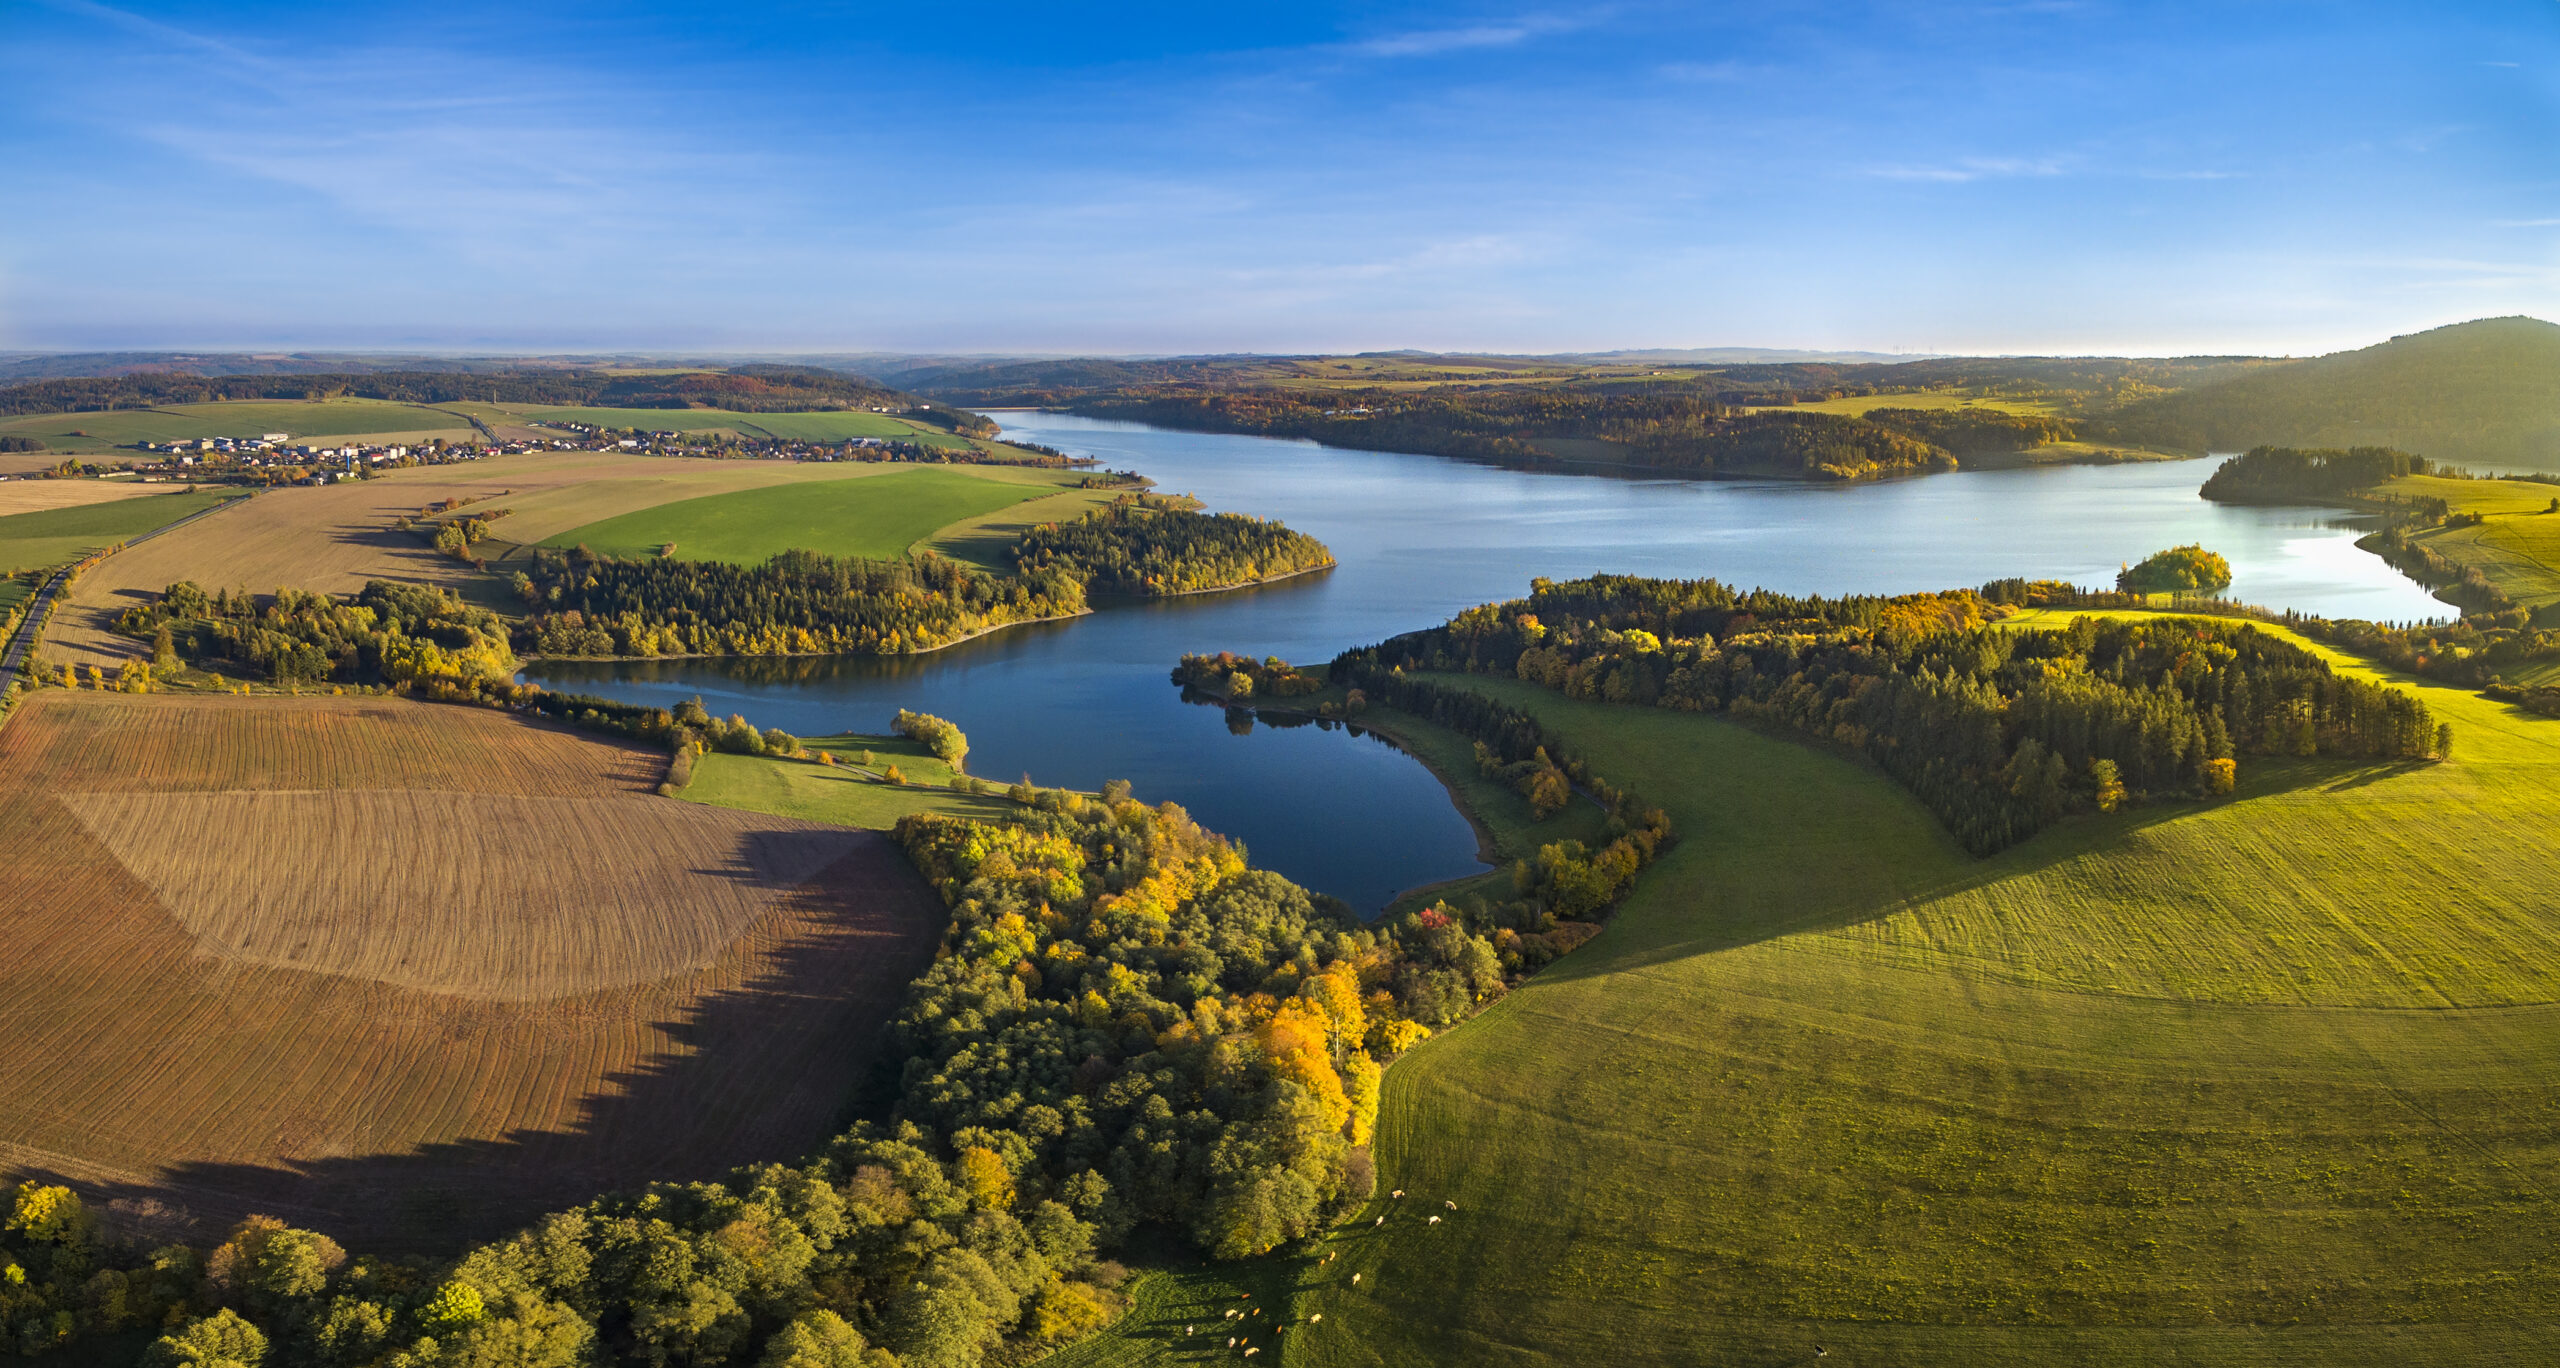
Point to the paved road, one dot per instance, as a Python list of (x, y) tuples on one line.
[(15, 658)]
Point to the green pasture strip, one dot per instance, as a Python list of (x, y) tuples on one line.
[(879, 516), (57, 536), (987, 540), (1859, 405), (847, 793)]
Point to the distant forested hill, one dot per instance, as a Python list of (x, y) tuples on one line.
[(2484, 393), (744, 389)]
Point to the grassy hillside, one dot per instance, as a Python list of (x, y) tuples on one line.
[(2516, 543), (54, 536), (879, 516), (2484, 393), (2269, 1079)]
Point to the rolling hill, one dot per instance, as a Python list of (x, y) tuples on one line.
[(2484, 393)]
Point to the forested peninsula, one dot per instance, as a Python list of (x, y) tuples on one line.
[(1999, 732), (579, 603), (1664, 429)]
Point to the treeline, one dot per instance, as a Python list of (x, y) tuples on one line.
[(1145, 545), (798, 603), (2473, 652), (1967, 433), (1567, 880), (1998, 732), (2268, 474), (884, 1249), (387, 633), (746, 389)]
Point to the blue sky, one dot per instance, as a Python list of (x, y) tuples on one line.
[(1141, 177)]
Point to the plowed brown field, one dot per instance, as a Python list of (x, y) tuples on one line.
[(412, 973)]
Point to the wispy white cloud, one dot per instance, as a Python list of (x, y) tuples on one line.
[(1433, 42), (1703, 72), (2525, 223), (1966, 169)]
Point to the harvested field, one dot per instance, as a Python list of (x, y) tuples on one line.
[(411, 972), (36, 496)]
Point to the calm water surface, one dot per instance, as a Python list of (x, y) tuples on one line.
[(1420, 538)]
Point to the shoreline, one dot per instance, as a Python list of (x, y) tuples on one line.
[(1487, 850)]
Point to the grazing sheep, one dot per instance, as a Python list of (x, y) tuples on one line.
[(1249, 1353), (1453, 1206), (1382, 1220), (1355, 1280), (1435, 1220), (1231, 1341), (1314, 1318), (1398, 1194)]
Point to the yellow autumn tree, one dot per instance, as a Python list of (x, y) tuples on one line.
[(1296, 1043), (1364, 1076), (989, 1182)]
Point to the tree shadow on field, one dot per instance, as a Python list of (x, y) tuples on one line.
[(1762, 884), (764, 1068)]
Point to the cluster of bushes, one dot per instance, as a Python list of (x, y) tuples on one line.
[(2178, 570), (1997, 732), (388, 633), (948, 743), (2539, 698), (1241, 679), (1142, 544), (798, 603)]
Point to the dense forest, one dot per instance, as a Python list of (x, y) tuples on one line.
[(388, 633), (1142, 544), (2273, 474), (1128, 1027), (1998, 732), (746, 389), (798, 603)]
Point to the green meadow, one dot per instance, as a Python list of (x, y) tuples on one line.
[(848, 792), (2267, 1079), (56, 536), (2516, 544), (881, 515), (245, 418)]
